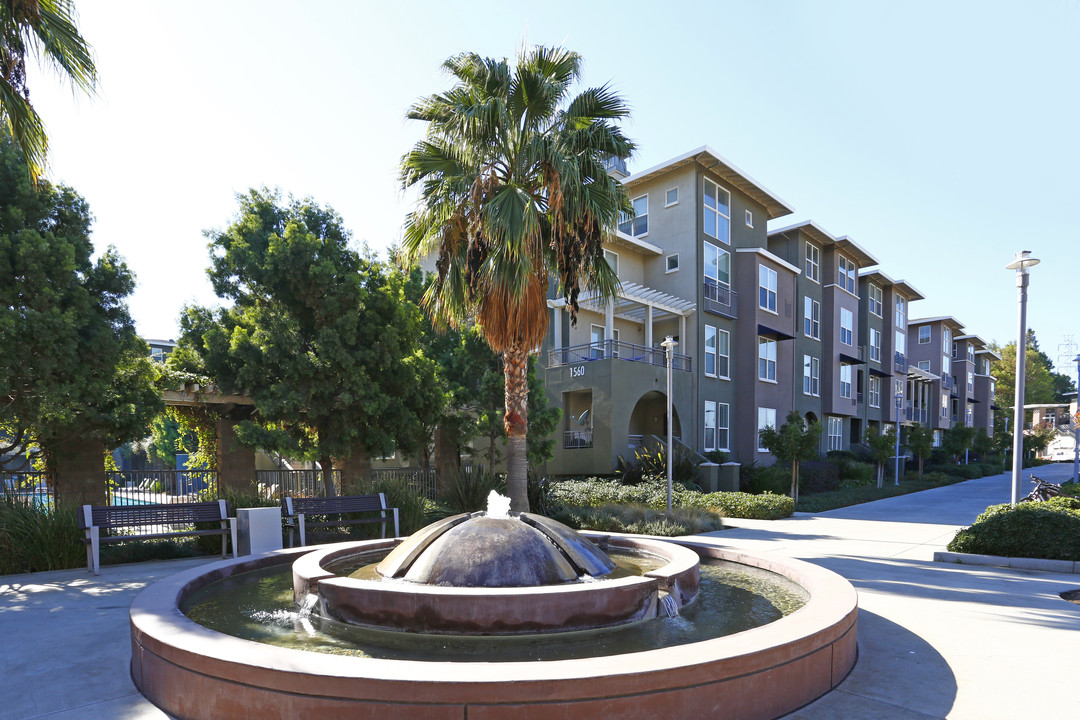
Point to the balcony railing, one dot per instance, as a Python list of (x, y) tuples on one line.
[(617, 350), (947, 383), (900, 362), (721, 300), (615, 163), (916, 414), (577, 439)]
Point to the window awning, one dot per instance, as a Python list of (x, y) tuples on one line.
[(766, 331), (846, 359)]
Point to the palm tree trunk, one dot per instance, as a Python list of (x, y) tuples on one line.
[(516, 422)]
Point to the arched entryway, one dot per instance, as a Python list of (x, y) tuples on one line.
[(649, 417)]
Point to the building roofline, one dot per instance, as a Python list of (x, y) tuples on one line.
[(909, 290), (811, 228), (845, 242), (940, 318), (770, 256), (774, 206)]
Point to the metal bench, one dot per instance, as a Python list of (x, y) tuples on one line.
[(296, 511), (157, 521)]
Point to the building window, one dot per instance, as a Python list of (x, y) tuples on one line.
[(717, 212), (876, 305), (811, 318), (946, 337), (847, 325), (671, 197), (945, 405), (710, 425), (971, 380), (875, 391), (749, 219), (672, 262), (901, 342), (971, 354), (722, 425), (710, 351), (901, 312), (845, 277), (924, 365), (766, 417), (813, 262), (723, 353), (992, 390), (954, 349), (946, 365), (766, 359), (968, 421), (717, 265), (638, 225), (766, 288), (845, 381), (612, 260), (924, 334), (875, 345), (811, 376), (836, 433)]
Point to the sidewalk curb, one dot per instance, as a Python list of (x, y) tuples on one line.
[(1057, 566)]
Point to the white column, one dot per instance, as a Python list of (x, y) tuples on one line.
[(557, 311), (682, 334), (609, 326), (648, 326)]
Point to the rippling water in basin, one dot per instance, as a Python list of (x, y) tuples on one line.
[(259, 606)]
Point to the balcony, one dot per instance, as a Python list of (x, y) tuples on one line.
[(617, 164), (721, 300), (616, 350), (899, 363), (916, 414), (577, 439), (947, 383)]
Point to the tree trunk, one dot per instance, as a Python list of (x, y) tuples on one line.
[(328, 475), (920, 467), (355, 471), (795, 481), (516, 422)]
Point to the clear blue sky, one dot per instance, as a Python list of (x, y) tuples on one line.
[(940, 135)]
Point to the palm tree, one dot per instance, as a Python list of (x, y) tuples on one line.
[(514, 191), (45, 28)]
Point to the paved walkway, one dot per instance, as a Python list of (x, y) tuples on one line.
[(935, 640)]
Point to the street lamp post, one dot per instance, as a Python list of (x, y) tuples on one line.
[(1020, 264), (1076, 427), (669, 348), (899, 404)]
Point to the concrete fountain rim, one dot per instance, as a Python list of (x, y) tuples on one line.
[(158, 626)]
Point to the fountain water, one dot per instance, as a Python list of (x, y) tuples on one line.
[(437, 584)]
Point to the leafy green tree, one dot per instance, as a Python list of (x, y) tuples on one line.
[(74, 368), (322, 339), (882, 444), (957, 440), (1041, 383), (794, 441), (919, 439), (45, 28), (514, 190), (982, 444)]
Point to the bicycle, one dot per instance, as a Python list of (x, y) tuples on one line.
[(1043, 490)]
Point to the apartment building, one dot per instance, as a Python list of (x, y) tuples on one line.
[(764, 322), (694, 265)]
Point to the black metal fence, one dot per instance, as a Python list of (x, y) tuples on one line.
[(275, 484), (155, 487), (31, 487), (420, 480)]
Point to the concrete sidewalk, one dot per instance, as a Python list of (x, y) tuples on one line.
[(935, 640)]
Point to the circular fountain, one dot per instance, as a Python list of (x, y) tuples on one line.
[(464, 577)]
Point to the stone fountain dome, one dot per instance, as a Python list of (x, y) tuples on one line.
[(478, 550)]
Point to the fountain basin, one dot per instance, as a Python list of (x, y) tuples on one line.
[(193, 672), (565, 607)]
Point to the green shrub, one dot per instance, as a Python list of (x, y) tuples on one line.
[(1048, 530), (756, 479), (650, 464), (34, 538), (856, 474), (468, 492), (640, 520), (763, 506), (840, 456), (717, 456), (1070, 488), (818, 476), (597, 492), (967, 472), (412, 507)]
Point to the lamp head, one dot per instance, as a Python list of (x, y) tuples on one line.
[(1022, 261), (668, 343)]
